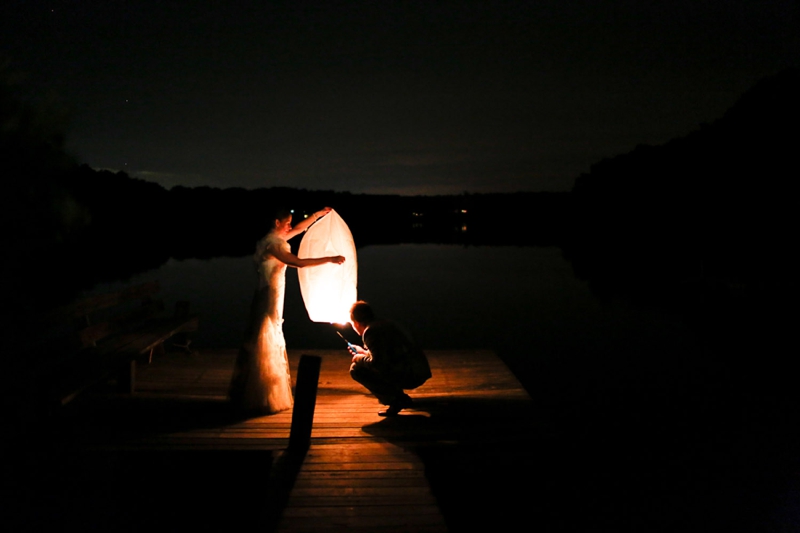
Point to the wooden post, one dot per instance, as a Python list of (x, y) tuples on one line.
[(285, 469), (181, 339), (305, 400), (126, 377)]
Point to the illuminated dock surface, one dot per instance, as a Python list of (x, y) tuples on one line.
[(471, 429)]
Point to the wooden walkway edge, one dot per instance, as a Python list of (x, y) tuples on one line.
[(361, 472)]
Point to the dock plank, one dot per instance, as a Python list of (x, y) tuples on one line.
[(361, 472)]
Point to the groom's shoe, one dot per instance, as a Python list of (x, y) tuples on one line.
[(398, 405)]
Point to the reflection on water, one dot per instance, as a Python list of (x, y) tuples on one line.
[(449, 296)]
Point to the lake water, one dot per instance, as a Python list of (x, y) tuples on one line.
[(520, 299)]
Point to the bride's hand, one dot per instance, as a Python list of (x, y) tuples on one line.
[(338, 259)]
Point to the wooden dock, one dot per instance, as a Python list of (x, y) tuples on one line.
[(175, 438)]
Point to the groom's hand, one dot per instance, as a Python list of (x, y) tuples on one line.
[(360, 354), (359, 350)]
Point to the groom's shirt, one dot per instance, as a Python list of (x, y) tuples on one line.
[(394, 354)]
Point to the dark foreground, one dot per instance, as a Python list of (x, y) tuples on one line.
[(610, 439)]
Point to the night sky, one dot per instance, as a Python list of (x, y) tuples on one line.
[(414, 97)]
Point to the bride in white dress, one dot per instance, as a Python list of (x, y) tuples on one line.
[(261, 383)]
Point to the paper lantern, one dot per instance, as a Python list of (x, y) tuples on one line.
[(329, 290)]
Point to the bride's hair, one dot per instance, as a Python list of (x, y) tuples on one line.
[(281, 213)]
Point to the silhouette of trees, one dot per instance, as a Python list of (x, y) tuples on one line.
[(39, 215), (720, 202), (65, 225)]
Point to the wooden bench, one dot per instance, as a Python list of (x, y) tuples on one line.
[(100, 339)]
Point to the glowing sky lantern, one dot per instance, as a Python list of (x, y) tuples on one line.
[(329, 290)]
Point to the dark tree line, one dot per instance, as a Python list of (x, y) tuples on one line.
[(109, 226), (719, 204)]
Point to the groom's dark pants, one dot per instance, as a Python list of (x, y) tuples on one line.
[(387, 389)]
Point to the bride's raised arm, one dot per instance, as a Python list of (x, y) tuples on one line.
[(304, 224), (293, 261)]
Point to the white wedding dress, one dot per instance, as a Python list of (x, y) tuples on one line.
[(261, 381)]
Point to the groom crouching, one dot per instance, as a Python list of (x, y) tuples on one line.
[(389, 362)]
